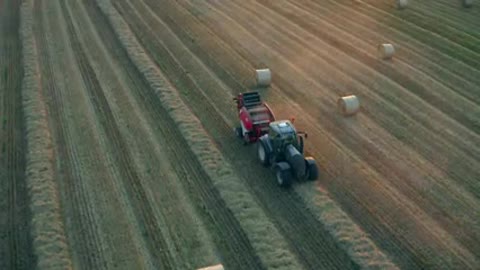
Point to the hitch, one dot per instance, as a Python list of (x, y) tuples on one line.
[(303, 133)]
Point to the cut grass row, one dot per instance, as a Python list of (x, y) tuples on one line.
[(262, 234), (49, 239)]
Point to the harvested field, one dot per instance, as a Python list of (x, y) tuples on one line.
[(118, 150), (16, 244)]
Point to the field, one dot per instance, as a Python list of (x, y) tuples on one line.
[(118, 151)]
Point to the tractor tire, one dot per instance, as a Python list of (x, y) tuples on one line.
[(284, 176), (312, 169), (263, 153), (238, 132)]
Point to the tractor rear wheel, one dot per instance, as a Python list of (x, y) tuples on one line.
[(263, 153), (312, 169), (284, 176)]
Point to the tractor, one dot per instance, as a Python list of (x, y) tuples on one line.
[(282, 149)]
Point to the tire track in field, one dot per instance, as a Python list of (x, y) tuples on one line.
[(202, 107), (143, 209), (15, 215), (286, 87), (88, 240), (235, 252)]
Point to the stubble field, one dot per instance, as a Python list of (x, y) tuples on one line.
[(118, 150)]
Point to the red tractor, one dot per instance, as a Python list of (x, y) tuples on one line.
[(255, 116)]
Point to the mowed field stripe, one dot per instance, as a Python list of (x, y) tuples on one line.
[(407, 103), (230, 147), (143, 209), (237, 252), (409, 115), (455, 8), (208, 12), (440, 26), (417, 84), (457, 76), (427, 37), (17, 250), (199, 103), (375, 159), (218, 32), (83, 232), (184, 235), (461, 17), (50, 246), (442, 185)]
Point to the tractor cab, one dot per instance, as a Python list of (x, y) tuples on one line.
[(283, 133)]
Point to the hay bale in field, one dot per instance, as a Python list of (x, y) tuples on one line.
[(213, 267), (348, 105), (401, 4), (467, 3), (386, 50), (264, 77)]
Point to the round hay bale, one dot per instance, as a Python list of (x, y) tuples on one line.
[(264, 77), (213, 267), (348, 105), (401, 4), (386, 50), (467, 3)]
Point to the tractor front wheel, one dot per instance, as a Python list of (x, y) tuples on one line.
[(263, 154), (284, 176)]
